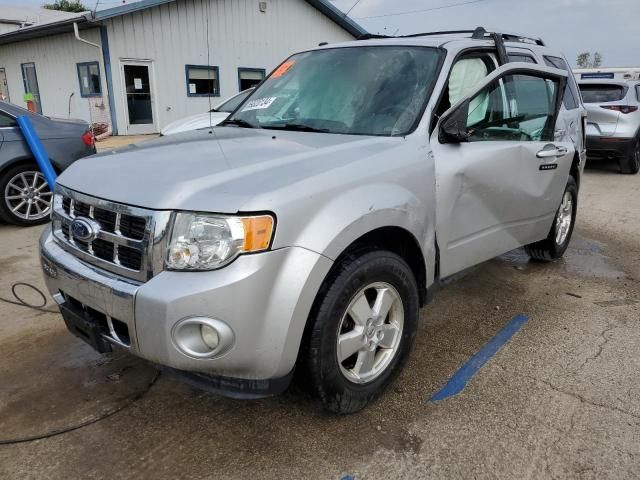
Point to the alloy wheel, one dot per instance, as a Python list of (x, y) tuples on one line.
[(27, 196), (370, 332), (564, 218)]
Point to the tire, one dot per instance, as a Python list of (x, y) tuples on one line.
[(347, 385), (553, 247), (631, 164), (25, 198)]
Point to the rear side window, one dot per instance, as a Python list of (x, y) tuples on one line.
[(6, 121), (638, 92), (602, 93), (520, 57), (571, 98)]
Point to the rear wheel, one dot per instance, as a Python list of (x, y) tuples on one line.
[(362, 330), (25, 197), (631, 164), (557, 242)]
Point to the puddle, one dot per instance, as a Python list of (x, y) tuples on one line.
[(584, 257)]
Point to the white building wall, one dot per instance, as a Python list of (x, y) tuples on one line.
[(174, 35), (55, 58)]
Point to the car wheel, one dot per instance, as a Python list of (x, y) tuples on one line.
[(25, 196), (556, 243), (361, 330), (631, 164)]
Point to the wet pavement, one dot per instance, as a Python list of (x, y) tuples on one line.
[(560, 400)]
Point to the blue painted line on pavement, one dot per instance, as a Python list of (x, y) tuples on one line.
[(459, 380)]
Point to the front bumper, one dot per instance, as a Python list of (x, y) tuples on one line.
[(609, 147), (265, 298)]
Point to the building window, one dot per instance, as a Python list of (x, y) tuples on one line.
[(89, 77), (202, 81), (250, 77), (31, 89)]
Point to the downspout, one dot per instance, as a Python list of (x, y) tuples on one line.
[(107, 75)]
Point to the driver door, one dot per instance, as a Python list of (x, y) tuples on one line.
[(500, 172)]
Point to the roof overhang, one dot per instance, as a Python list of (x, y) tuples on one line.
[(92, 19)]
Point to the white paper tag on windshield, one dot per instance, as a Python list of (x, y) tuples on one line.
[(259, 104)]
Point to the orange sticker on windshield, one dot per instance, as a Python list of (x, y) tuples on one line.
[(282, 69)]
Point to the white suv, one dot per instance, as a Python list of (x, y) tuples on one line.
[(307, 230)]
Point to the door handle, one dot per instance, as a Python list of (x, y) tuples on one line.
[(551, 151)]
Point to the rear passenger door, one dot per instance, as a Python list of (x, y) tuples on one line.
[(500, 183)]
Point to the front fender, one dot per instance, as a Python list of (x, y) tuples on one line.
[(346, 217)]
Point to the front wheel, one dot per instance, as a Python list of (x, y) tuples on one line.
[(557, 242), (631, 164), (362, 330)]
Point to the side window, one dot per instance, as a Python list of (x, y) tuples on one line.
[(515, 108), (521, 57), (571, 98), (89, 77), (6, 121), (466, 74), (638, 92)]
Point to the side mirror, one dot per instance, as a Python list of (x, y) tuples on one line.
[(453, 128)]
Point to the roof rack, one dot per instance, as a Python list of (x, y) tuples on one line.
[(479, 33)]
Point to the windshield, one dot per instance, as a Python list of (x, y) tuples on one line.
[(358, 91), (233, 103)]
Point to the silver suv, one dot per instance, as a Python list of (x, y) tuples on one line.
[(613, 121), (307, 231)]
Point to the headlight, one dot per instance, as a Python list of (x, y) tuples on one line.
[(207, 242)]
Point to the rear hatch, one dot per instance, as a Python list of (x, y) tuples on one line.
[(602, 121)]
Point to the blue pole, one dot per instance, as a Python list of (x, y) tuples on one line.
[(37, 149)]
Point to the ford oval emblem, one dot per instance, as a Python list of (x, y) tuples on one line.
[(84, 229)]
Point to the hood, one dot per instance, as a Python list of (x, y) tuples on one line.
[(193, 123), (194, 171)]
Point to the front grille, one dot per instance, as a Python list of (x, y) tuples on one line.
[(124, 242)]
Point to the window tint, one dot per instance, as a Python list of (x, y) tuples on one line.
[(521, 57), (638, 92), (89, 76), (6, 120), (571, 98), (202, 81), (602, 93), (517, 108)]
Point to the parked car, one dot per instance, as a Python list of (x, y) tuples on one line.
[(203, 120), (307, 233), (25, 198), (613, 121)]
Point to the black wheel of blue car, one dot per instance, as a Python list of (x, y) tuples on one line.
[(631, 164), (25, 196), (361, 330)]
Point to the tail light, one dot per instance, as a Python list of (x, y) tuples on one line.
[(87, 139), (621, 108)]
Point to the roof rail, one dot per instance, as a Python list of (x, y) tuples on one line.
[(481, 33)]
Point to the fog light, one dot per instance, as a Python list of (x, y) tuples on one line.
[(209, 336), (201, 337)]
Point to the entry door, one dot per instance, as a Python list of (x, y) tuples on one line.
[(4, 88), (137, 80), (501, 188)]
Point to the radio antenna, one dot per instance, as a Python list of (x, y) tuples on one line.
[(210, 90)]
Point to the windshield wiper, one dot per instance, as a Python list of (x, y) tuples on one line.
[(238, 122), (296, 127)]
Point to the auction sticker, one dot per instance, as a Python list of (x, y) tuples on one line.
[(259, 104)]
